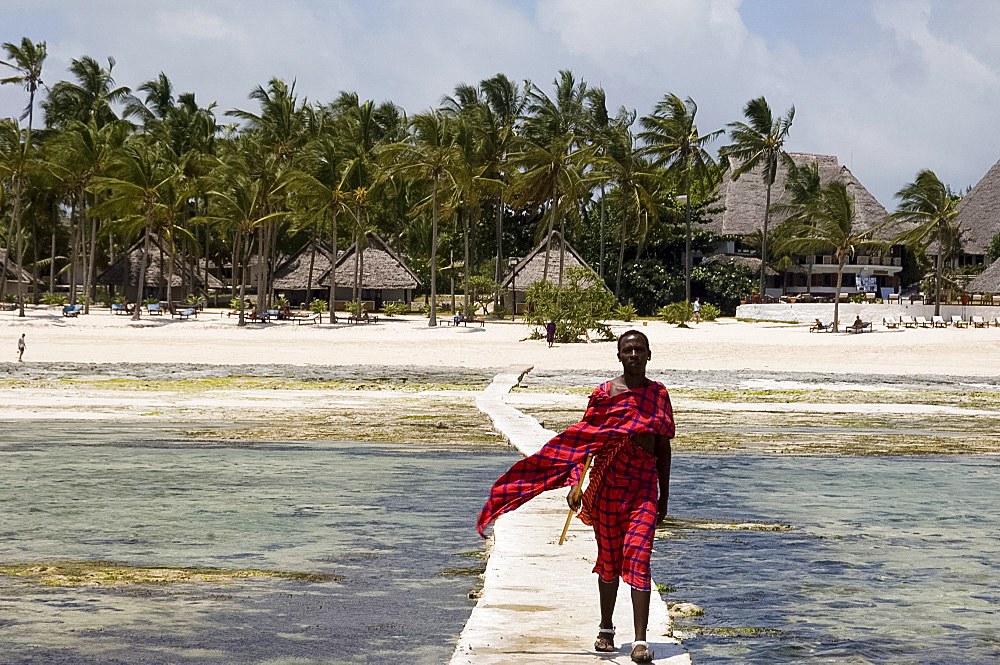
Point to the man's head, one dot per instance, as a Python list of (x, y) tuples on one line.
[(633, 352)]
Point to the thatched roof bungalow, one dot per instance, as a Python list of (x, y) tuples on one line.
[(743, 204), (385, 275), (124, 273), (987, 281), (531, 268), (10, 275), (979, 214), (298, 278)]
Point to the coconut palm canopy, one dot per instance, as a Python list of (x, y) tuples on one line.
[(115, 273), (979, 213), (293, 274), (10, 270), (986, 282), (381, 267), (744, 198), (531, 268)]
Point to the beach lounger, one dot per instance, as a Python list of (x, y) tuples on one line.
[(922, 322), (819, 326), (907, 321), (957, 321), (185, 313), (118, 308), (890, 322), (315, 317), (938, 321), (72, 310), (866, 326), (263, 317), (154, 309), (979, 322)]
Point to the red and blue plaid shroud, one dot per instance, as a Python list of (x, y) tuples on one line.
[(607, 425)]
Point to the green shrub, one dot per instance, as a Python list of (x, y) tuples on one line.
[(501, 312), (577, 308), (709, 312), (624, 313), (150, 301), (54, 299), (394, 308), (317, 305), (676, 312)]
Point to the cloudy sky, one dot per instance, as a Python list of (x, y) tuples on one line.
[(888, 86)]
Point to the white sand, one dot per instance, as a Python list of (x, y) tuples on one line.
[(727, 345)]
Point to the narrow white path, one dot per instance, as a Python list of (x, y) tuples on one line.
[(539, 602)]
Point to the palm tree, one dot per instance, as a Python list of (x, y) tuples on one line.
[(827, 222), (431, 154), (140, 180), (26, 60), (930, 206), (241, 203), (319, 183), (88, 99), (672, 137), (760, 144), (552, 159)]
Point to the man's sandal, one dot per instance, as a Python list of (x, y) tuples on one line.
[(605, 644), (645, 654)]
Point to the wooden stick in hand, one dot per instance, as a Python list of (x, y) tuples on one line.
[(576, 495)]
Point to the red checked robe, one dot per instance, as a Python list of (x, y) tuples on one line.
[(606, 428)]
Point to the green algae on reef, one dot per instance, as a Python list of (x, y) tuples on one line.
[(234, 383), (107, 574)]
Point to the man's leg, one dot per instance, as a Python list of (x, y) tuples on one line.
[(640, 613), (609, 593)]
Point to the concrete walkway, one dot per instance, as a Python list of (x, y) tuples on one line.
[(539, 602)]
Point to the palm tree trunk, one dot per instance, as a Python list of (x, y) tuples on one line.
[(434, 248), (499, 270), (19, 245), (763, 245), (170, 275), (144, 257), (243, 254), (600, 266), (621, 260), (836, 297), (333, 270), (74, 248), (687, 239), (937, 276), (465, 268), (90, 288), (361, 272), (312, 264), (52, 256), (35, 295), (548, 237)]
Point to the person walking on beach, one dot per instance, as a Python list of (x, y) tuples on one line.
[(550, 332), (627, 430), (20, 349), (697, 310)]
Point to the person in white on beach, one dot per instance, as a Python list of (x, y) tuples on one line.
[(697, 310), (20, 349)]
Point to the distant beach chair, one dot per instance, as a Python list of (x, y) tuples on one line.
[(979, 322), (938, 321), (922, 322), (315, 317), (958, 322), (819, 326), (893, 298), (120, 308), (890, 322), (907, 321), (263, 317), (154, 309), (72, 310), (185, 313), (866, 326), (977, 298)]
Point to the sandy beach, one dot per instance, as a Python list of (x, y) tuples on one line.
[(407, 341)]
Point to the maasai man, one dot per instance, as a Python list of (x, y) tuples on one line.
[(627, 428)]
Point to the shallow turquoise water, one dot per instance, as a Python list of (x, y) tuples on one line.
[(391, 521), (892, 560)]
